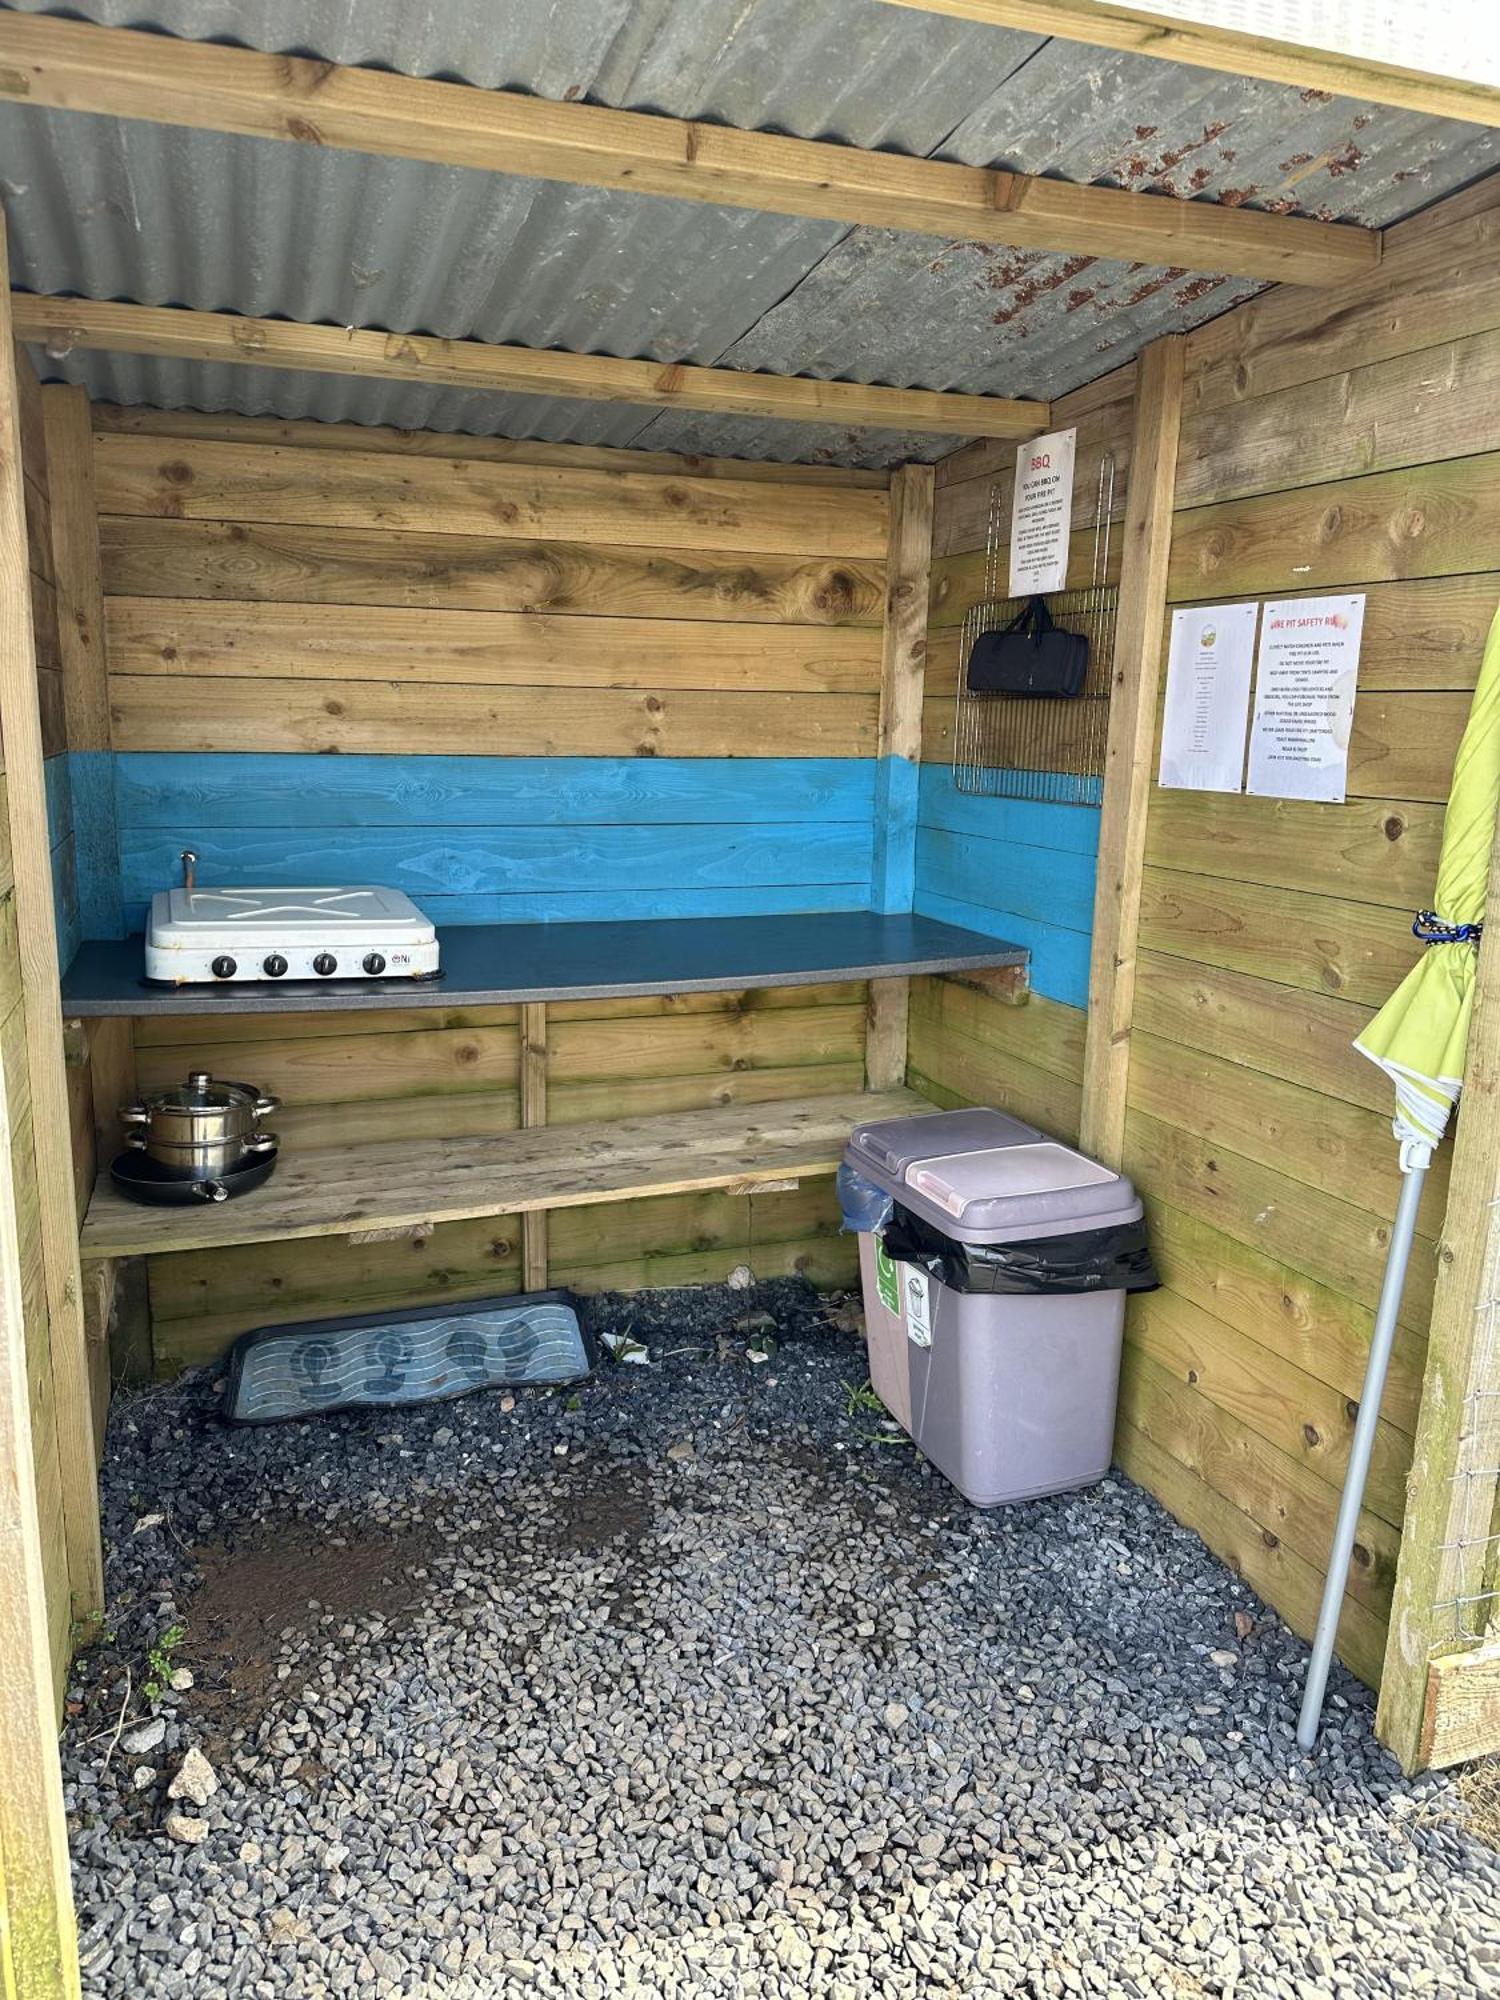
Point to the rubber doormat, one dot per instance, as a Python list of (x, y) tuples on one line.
[(377, 1360)]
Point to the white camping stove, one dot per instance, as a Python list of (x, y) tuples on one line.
[(223, 936)]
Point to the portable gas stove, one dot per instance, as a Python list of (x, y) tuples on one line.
[(218, 936)]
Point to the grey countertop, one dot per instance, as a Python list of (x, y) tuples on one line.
[(493, 964)]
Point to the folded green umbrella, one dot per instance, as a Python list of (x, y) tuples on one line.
[(1421, 1034), (1420, 1039)]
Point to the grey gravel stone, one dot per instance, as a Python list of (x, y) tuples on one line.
[(512, 1702), (195, 1779), (149, 1736)]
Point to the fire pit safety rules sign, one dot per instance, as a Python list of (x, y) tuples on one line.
[(1042, 517), (1304, 698)]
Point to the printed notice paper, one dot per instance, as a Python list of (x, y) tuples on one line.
[(1208, 698), (1304, 698), (1042, 517)]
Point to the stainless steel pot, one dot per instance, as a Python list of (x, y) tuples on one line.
[(200, 1129)]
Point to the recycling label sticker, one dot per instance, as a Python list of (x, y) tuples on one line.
[(886, 1281)]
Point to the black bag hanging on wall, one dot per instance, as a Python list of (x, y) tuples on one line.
[(1029, 656)]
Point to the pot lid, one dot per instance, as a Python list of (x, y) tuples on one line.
[(201, 1092)]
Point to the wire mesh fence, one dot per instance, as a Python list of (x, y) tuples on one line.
[(1467, 1609)]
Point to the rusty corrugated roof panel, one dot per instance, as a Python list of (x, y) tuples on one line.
[(166, 216)]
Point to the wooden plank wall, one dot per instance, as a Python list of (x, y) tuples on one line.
[(1018, 867), (1021, 868), (1347, 446), (1324, 447), (559, 682)]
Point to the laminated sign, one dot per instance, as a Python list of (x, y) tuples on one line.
[(1208, 698), (1042, 517), (1304, 698)]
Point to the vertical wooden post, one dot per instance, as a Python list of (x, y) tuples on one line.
[(20, 722), (908, 564), (885, 1033), (80, 621), (41, 1962), (534, 1112), (1446, 1546), (75, 554), (37, 1911), (1132, 728)]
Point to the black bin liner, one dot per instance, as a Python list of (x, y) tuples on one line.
[(1116, 1259)]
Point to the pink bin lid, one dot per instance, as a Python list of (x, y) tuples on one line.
[(959, 1181), (985, 1177)]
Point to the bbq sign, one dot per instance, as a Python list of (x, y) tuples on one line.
[(1042, 516)]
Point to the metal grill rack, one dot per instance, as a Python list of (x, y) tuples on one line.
[(1018, 747)]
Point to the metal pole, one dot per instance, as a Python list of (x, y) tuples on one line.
[(1382, 1337)]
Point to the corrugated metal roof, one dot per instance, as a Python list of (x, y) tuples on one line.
[(115, 209)]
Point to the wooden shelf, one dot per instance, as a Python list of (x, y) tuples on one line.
[(487, 965), (336, 1190)]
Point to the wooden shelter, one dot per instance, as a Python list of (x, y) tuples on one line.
[(667, 650)]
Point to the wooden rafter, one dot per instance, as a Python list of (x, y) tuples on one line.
[(63, 324), (1141, 32), (74, 66)]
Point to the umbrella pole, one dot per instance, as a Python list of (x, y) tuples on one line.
[(1382, 1338)]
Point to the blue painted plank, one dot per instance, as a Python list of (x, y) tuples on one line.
[(1034, 823), (97, 842), (1036, 882), (427, 861), (1059, 958), (532, 906), (175, 789), (65, 900), (57, 774), (893, 878), (58, 778)]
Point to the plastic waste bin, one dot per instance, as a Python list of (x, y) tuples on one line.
[(995, 1263)]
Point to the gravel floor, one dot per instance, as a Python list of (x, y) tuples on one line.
[(693, 1681)]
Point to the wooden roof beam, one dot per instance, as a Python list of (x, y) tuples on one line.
[(173, 332), (75, 66), (1140, 32)]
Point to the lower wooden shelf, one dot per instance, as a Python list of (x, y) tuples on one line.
[(335, 1190)]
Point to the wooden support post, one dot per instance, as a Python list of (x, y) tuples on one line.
[(1139, 628), (38, 1938), (75, 554), (902, 680), (112, 1074), (38, 1945), (85, 673), (36, 931), (885, 1034), (534, 1112), (1451, 1490)]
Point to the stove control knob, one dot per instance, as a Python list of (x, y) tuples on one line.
[(224, 967), (325, 963), (275, 966), (374, 963)]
